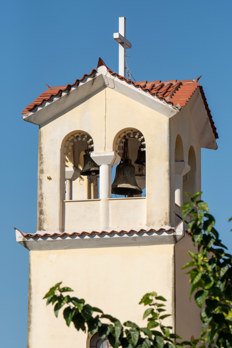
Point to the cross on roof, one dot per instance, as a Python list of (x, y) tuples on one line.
[(120, 37)]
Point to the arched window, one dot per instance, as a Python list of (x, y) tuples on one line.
[(179, 151), (129, 176), (81, 172), (179, 168), (189, 180), (96, 342)]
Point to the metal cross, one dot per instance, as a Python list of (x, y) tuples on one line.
[(120, 37)]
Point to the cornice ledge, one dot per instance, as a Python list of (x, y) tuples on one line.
[(65, 240)]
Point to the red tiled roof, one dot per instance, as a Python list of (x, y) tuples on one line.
[(176, 93)]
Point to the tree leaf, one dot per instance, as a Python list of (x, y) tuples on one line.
[(204, 316), (79, 322), (52, 299), (131, 324), (147, 312), (195, 196), (152, 324), (146, 343), (191, 254), (159, 341), (197, 278), (132, 336), (165, 316), (160, 310), (87, 312), (57, 308), (79, 303), (200, 297), (147, 332), (223, 270), (110, 317), (96, 309), (156, 333), (68, 314), (93, 325), (103, 331), (189, 264), (161, 298), (171, 345), (66, 289), (52, 290), (186, 207), (203, 206), (117, 331), (146, 299), (175, 336)]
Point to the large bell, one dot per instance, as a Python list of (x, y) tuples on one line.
[(90, 167), (140, 157), (124, 181)]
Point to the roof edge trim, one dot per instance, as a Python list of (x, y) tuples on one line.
[(67, 240)]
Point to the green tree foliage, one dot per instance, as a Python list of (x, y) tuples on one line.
[(210, 274), (91, 319)]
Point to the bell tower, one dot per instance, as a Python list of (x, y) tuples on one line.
[(115, 158)]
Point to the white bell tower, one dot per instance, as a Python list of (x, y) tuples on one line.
[(112, 239)]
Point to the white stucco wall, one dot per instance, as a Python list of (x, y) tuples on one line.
[(113, 279), (188, 322)]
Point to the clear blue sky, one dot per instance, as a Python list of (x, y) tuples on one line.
[(56, 42)]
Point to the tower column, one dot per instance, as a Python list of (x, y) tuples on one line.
[(105, 160), (105, 181), (71, 173)]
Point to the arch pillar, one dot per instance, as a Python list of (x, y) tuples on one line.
[(105, 160), (71, 173)]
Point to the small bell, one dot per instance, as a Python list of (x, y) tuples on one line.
[(125, 182), (140, 157), (90, 167)]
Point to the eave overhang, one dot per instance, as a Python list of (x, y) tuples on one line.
[(96, 239)]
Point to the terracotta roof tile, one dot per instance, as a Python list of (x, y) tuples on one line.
[(55, 91), (176, 93)]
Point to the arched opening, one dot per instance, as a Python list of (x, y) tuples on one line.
[(81, 172), (189, 180), (129, 176), (179, 168), (179, 150), (96, 342)]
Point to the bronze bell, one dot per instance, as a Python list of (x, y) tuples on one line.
[(90, 167), (140, 157), (124, 181)]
